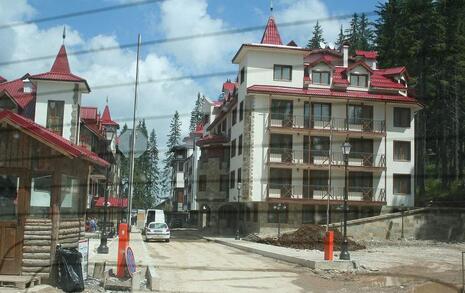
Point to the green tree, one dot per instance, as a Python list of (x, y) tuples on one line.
[(340, 38), (317, 37), (174, 139), (352, 33), (196, 114), (365, 33)]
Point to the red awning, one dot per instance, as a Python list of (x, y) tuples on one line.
[(113, 202)]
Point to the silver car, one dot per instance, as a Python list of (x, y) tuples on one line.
[(157, 231)]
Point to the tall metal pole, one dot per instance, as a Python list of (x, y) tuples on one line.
[(103, 248), (238, 209), (345, 245), (133, 138)]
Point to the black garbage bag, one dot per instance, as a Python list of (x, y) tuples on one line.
[(68, 270)]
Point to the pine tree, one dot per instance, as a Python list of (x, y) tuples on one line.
[(317, 37), (174, 139), (196, 114), (366, 34), (153, 171), (340, 38), (352, 34)]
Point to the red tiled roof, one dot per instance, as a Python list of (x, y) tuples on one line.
[(88, 113), (2, 79), (379, 80), (271, 34), (15, 89), (393, 70), (359, 63), (106, 117), (229, 86), (322, 59), (356, 95), (366, 54), (60, 70), (54, 140), (113, 202), (339, 77), (211, 139), (199, 128)]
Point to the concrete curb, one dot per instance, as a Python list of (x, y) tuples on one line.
[(339, 265)]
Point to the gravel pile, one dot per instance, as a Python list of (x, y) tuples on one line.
[(309, 237)]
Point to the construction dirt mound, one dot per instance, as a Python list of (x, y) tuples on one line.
[(309, 237)]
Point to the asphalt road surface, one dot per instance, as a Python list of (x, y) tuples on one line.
[(191, 264)]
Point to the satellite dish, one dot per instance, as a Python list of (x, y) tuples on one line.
[(125, 143)]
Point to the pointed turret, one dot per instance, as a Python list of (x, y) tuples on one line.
[(106, 117), (61, 64), (271, 34)]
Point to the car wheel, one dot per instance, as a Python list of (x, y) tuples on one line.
[(167, 240)]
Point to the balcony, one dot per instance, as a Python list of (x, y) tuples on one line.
[(317, 159), (280, 123), (321, 193)]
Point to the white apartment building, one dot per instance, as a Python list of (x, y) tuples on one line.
[(282, 129)]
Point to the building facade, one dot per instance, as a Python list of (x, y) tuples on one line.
[(280, 128)]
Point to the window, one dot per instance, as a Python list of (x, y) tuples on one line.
[(321, 112), (282, 72), (360, 147), (234, 116), (233, 148), (401, 117), (359, 181), (180, 166), (273, 214), (402, 183), (241, 111), (242, 74), (401, 151), (224, 183), (359, 114), (358, 80), (55, 110), (280, 143), (320, 77), (41, 193), (319, 146), (203, 183), (70, 202), (281, 179), (281, 109), (232, 179), (319, 180), (239, 147), (239, 175)]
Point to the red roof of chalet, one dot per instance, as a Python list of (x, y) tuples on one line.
[(60, 70), (88, 113), (271, 34), (2, 79), (106, 117), (56, 141), (379, 80), (354, 95), (393, 70), (15, 89), (366, 54), (113, 202)]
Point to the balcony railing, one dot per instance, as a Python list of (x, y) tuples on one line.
[(322, 192), (324, 158), (280, 120)]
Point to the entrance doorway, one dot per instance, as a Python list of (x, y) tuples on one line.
[(11, 219)]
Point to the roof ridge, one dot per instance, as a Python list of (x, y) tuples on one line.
[(61, 64), (271, 34)]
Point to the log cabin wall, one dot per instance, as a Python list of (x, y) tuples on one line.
[(36, 249), (71, 231)]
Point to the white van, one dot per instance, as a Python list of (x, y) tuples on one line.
[(152, 215)]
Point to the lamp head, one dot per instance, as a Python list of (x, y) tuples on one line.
[(346, 148)]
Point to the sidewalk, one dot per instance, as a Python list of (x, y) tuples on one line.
[(313, 259), (136, 243)]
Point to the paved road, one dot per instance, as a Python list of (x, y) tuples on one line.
[(190, 264)]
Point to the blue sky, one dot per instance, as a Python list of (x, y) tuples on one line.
[(165, 19)]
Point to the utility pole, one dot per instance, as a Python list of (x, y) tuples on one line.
[(133, 138)]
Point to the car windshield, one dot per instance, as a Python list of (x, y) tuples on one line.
[(158, 226)]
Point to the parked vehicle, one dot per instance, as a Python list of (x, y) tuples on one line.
[(157, 231), (153, 215)]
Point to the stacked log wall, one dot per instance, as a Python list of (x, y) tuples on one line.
[(36, 247), (71, 231)]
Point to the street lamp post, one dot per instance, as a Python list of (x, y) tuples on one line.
[(103, 248), (402, 221), (239, 185), (278, 208), (345, 245)]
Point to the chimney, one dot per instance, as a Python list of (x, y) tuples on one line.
[(27, 86), (373, 65), (345, 54)]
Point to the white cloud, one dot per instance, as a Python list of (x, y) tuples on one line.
[(190, 17), (157, 100), (307, 10)]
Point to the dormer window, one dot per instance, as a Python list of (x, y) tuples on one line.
[(321, 77), (282, 72), (359, 80)]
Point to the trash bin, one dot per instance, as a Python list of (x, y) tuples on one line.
[(68, 270)]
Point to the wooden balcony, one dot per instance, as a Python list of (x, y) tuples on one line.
[(283, 123)]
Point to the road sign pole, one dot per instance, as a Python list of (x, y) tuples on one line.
[(133, 138)]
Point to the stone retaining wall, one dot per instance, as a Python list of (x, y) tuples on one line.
[(441, 224)]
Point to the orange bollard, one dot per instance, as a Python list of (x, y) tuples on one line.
[(329, 245), (123, 243)]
